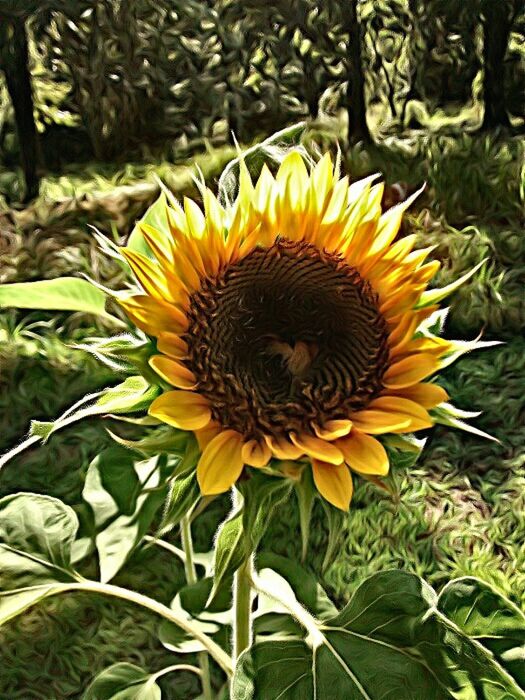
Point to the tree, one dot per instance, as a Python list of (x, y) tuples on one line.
[(14, 61), (356, 101), (496, 21)]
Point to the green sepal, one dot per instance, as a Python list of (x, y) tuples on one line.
[(261, 494), (337, 520), (306, 493), (161, 440), (230, 549), (183, 495), (123, 353)]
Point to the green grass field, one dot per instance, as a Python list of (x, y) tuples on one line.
[(459, 510)]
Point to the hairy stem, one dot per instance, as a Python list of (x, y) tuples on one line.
[(191, 577), (212, 647)]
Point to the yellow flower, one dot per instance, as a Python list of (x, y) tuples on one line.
[(286, 324)]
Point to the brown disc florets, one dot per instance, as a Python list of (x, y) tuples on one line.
[(287, 337)]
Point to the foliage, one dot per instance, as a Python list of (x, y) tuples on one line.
[(146, 72)]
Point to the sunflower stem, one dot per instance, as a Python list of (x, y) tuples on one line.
[(191, 578), (242, 598)]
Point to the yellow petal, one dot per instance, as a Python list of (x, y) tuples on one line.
[(334, 483), (378, 422), (263, 189), (321, 183), (173, 372), (256, 453), (181, 409), (153, 316), (364, 453), (399, 406), (403, 332), (283, 448), (205, 435), (333, 429), (410, 370), (173, 345), (433, 345), (426, 395), (390, 222), (194, 217), (338, 202), (317, 448), (215, 214), (149, 275), (292, 167), (221, 463), (158, 242)]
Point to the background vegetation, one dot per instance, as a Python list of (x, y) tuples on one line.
[(125, 90)]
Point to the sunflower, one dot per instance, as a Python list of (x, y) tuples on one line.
[(287, 325)]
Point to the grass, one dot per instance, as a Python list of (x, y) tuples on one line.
[(458, 511)]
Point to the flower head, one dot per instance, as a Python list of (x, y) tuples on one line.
[(288, 325)]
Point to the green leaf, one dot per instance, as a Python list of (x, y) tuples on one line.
[(111, 485), (306, 588), (36, 537), (271, 150), (156, 217), (62, 294), (230, 549), (122, 519), (337, 520), (388, 642), (40, 526), (123, 681), (190, 604), (486, 615), (134, 394)]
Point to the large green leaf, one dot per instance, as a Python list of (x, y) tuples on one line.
[(389, 642), (307, 589), (36, 536), (486, 615), (124, 495), (123, 681), (62, 294)]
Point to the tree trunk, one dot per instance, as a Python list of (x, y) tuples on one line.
[(356, 103), (14, 61), (496, 31)]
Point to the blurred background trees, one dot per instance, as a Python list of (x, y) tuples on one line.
[(112, 77)]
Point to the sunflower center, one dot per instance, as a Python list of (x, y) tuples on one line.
[(288, 337)]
